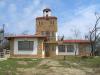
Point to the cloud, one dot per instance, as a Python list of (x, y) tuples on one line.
[(21, 16), (83, 20), (25, 19)]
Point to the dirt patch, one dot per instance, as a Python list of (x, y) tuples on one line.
[(67, 71), (52, 71), (53, 67), (50, 62), (22, 62)]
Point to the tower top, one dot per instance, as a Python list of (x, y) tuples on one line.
[(46, 12)]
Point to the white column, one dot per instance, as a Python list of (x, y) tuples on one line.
[(56, 50), (76, 49), (43, 51), (56, 36)]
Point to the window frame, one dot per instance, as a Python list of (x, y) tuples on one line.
[(61, 47), (70, 50), (22, 45)]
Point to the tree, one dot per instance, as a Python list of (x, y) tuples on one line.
[(2, 38), (94, 35), (76, 33)]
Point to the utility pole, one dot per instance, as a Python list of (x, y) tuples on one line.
[(3, 30), (2, 36)]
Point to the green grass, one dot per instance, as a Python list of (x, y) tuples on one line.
[(90, 61), (11, 65)]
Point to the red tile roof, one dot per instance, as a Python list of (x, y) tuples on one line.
[(76, 41)]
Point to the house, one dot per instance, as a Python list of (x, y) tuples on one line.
[(74, 47), (45, 43), (35, 46), (26, 46)]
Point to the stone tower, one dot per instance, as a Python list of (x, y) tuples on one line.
[(47, 25)]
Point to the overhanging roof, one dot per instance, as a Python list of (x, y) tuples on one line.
[(25, 36)]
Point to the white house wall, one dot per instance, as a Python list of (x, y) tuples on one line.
[(34, 52)]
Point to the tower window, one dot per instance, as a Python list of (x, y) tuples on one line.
[(52, 22), (39, 22), (45, 33)]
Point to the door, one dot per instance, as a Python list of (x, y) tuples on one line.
[(47, 50)]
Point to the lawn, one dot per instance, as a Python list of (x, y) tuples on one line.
[(82, 61), (29, 66), (12, 64)]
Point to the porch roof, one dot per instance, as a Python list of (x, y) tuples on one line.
[(76, 41)]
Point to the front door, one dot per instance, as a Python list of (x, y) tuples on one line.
[(47, 50)]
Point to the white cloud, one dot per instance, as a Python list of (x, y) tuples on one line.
[(26, 20), (83, 20)]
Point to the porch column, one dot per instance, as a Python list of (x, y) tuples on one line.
[(76, 49), (43, 51), (56, 50)]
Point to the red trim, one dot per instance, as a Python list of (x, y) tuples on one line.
[(76, 41)]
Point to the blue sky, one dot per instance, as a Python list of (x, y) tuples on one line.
[(19, 15)]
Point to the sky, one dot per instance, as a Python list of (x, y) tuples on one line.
[(19, 15)]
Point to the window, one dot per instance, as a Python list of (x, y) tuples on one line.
[(25, 45), (43, 33), (52, 22), (88, 48), (39, 22), (53, 47), (52, 34), (70, 48), (46, 33), (61, 48)]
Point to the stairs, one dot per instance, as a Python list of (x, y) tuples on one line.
[(5, 54)]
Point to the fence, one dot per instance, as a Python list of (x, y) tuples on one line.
[(4, 53)]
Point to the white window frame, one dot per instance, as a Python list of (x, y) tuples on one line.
[(70, 53)]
